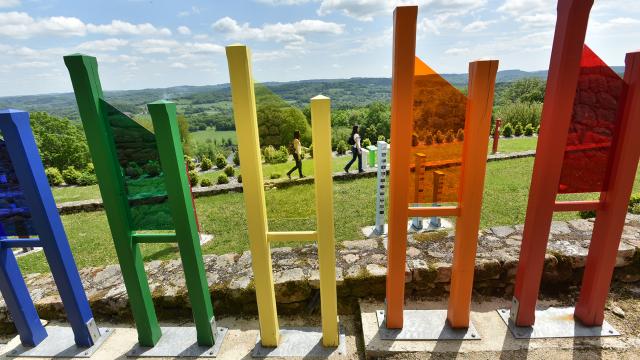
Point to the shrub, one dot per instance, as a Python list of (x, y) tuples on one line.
[(152, 168), (635, 209), (90, 168), (221, 161), (54, 176), (520, 113), (366, 142), (460, 135), (223, 179), (634, 201), (311, 151), (240, 178), (275, 176), (87, 178), (229, 170), (71, 175), (507, 130), (449, 137), (341, 149), (273, 156), (236, 158), (438, 137), (191, 165), (517, 130), (133, 170), (381, 138), (528, 130), (414, 139), (538, 129), (206, 182), (193, 177), (428, 138), (587, 214), (206, 164)]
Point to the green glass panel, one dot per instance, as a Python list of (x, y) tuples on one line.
[(140, 164)]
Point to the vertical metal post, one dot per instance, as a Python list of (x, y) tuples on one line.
[(609, 223), (381, 186), (482, 76), (245, 115), (321, 127), (564, 69), (438, 183), (404, 50), (496, 136), (88, 91), (165, 126)]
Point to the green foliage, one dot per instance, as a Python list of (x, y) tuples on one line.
[(132, 170), (517, 130), (460, 135), (229, 170), (275, 176), (273, 156), (185, 135), (538, 129), (54, 176), (587, 214), (87, 179), (520, 113), (223, 179), (381, 138), (206, 164), (528, 130), (277, 123), (342, 147), (206, 182), (152, 168), (61, 143), (194, 178), (339, 134), (239, 178), (507, 130), (236, 158), (71, 175), (191, 165), (635, 209), (634, 202), (438, 138), (221, 161), (528, 90), (366, 142), (448, 136), (311, 150)]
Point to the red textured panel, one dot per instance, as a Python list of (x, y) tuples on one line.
[(439, 111), (594, 122)]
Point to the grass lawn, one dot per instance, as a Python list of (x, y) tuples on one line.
[(75, 193), (505, 200), (212, 134)]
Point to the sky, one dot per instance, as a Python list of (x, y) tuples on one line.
[(162, 43)]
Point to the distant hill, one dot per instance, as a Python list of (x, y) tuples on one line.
[(211, 98)]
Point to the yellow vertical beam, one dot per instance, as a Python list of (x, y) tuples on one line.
[(245, 115), (482, 77), (321, 127)]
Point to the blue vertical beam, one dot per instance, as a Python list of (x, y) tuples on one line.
[(30, 172)]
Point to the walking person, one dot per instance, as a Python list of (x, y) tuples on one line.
[(356, 149), (297, 154)]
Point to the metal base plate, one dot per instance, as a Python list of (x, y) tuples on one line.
[(556, 323), (425, 325), (300, 342), (177, 341), (60, 343)]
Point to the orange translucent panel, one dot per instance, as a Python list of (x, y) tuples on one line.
[(439, 111), (594, 122)]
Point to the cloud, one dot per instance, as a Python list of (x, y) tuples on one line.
[(106, 45), (284, 2), (476, 26), (366, 10), (183, 30), (193, 11), (21, 25), (457, 51), (9, 3), (184, 50), (178, 65), (279, 32), (118, 27)]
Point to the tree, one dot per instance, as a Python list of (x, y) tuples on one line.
[(185, 135), (528, 90), (61, 143), (276, 125)]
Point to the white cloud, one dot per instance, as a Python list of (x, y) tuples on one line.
[(193, 11), (9, 3), (21, 26), (522, 7), (476, 26), (457, 51), (178, 65), (279, 32), (538, 20), (284, 2), (118, 27), (366, 10), (106, 45), (183, 30)]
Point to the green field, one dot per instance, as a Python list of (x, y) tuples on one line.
[(505, 199), (212, 134)]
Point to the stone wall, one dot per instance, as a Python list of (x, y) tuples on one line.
[(361, 271)]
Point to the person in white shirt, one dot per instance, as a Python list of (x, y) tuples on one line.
[(297, 155), (356, 149)]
